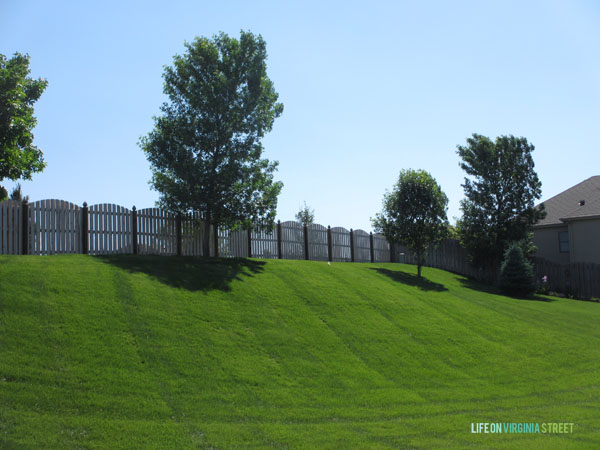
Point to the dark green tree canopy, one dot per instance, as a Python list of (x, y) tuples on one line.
[(516, 273), (501, 188), (19, 157), (205, 148), (414, 213)]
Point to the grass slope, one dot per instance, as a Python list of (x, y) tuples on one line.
[(124, 352)]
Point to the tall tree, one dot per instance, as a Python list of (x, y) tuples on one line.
[(19, 158), (501, 188), (205, 148), (414, 214)]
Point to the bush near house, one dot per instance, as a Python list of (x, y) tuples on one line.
[(516, 273)]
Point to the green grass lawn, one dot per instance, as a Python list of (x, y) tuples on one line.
[(150, 352)]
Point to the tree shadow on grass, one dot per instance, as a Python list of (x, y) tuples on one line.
[(411, 280), (187, 272), (475, 285)]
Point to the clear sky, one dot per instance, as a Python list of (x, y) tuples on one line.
[(369, 88)]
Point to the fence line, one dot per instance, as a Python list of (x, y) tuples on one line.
[(109, 230), (292, 240), (317, 242), (48, 227), (340, 244), (11, 228), (233, 243), (53, 227), (381, 249), (582, 280), (264, 243), (361, 246), (156, 232)]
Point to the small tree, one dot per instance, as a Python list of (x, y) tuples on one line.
[(17, 194), (500, 192), (516, 273), (19, 158), (414, 214), (205, 149), (306, 215)]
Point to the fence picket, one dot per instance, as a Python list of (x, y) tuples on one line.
[(11, 231)]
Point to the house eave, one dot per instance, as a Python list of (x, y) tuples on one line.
[(549, 225), (573, 219)]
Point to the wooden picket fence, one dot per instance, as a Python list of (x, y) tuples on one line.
[(49, 227), (581, 280), (11, 227)]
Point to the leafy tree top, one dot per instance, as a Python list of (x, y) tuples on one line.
[(414, 213), (205, 148), (19, 157), (500, 193)]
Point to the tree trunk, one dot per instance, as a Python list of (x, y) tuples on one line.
[(421, 259), (206, 236)]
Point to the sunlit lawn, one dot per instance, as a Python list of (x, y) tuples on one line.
[(150, 352)]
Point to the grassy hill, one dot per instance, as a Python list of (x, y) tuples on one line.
[(125, 352)]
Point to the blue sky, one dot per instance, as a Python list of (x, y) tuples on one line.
[(369, 88)]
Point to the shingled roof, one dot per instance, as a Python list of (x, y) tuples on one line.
[(579, 202)]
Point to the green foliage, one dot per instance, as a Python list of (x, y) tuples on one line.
[(453, 233), (501, 188), (229, 353), (205, 148), (414, 213), (306, 215), (3, 194), (516, 273), (19, 158), (17, 194)]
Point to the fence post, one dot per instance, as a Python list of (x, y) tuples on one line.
[(279, 255), (179, 240), (372, 247), (306, 242), (134, 230), (249, 242), (351, 245), (25, 229), (329, 244), (392, 252), (85, 229)]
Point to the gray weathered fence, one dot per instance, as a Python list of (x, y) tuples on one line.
[(48, 227), (51, 227), (318, 247), (109, 229), (582, 280), (11, 220)]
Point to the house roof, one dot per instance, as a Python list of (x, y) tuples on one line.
[(578, 202)]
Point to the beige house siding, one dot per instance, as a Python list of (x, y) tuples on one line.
[(585, 240), (546, 240)]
